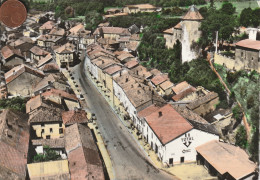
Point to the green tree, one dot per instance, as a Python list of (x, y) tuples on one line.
[(241, 137), (92, 19), (228, 8), (245, 18), (255, 17)]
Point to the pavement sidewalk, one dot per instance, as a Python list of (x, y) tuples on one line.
[(93, 125)]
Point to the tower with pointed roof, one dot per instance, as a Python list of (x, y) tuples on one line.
[(190, 24)]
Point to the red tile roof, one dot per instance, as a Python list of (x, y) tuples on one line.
[(169, 31), (38, 51), (160, 78), (44, 60), (180, 87), (169, 125), (66, 48), (132, 63), (74, 116), (57, 92), (113, 30), (226, 158), (166, 85), (57, 32), (18, 70), (50, 67), (8, 52), (184, 93), (178, 26), (48, 25), (83, 156), (248, 43), (113, 69), (14, 142), (147, 111), (192, 14)]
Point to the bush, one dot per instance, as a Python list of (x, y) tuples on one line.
[(241, 138)]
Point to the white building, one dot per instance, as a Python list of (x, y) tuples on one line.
[(173, 137)]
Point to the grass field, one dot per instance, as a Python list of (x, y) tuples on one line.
[(239, 5)]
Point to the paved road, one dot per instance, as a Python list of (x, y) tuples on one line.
[(129, 161)]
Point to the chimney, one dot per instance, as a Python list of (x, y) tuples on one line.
[(126, 80), (138, 91), (13, 72), (160, 113), (137, 73), (120, 73), (132, 85), (103, 62)]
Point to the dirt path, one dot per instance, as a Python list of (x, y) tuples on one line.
[(247, 127)]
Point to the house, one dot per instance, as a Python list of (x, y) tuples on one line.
[(183, 91), (47, 27), (14, 141), (134, 95), (125, 57), (114, 15), (67, 100), (108, 44), (65, 55), (46, 123), (247, 55), (205, 104), (140, 72), (51, 81), (173, 137), (165, 88), (111, 32), (83, 156), (24, 44), (139, 8), (37, 53), (173, 34), (58, 169), (48, 41), (111, 72), (11, 57), (47, 59), (131, 64), (159, 79), (113, 10), (57, 31), (38, 102), (74, 116), (21, 80), (79, 36), (226, 161), (51, 68)]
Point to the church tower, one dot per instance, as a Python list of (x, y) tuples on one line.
[(191, 22)]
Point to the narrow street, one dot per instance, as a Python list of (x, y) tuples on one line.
[(129, 161)]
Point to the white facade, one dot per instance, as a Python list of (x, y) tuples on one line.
[(120, 94), (181, 147)]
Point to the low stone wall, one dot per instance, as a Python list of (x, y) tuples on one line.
[(228, 62)]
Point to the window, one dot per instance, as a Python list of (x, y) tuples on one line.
[(42, 130), (252, 58), (61, 131), (48, 137), (182, 159), (60, 124), (242, 54), (51, 130), (152, 135)]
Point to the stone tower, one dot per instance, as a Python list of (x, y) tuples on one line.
[(191, 22)]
